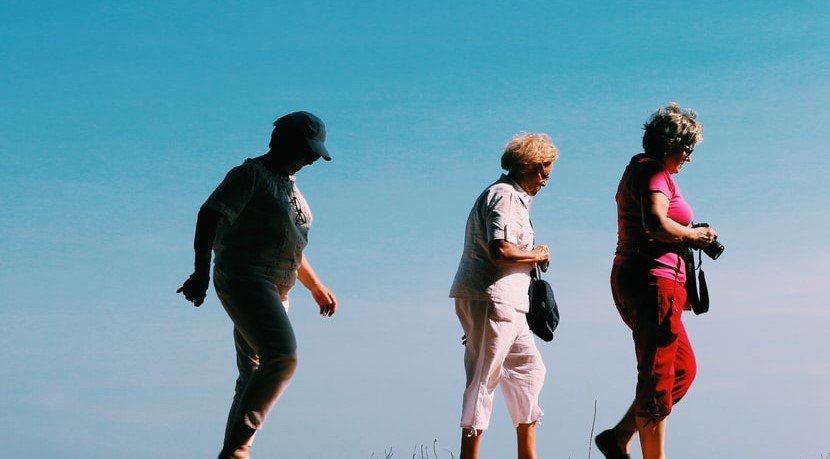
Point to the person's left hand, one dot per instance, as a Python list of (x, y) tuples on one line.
[(325, 299), (195, 288)]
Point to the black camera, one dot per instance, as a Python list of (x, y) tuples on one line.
[(715, 248)]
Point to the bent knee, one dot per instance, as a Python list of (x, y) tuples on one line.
[(283, 363)]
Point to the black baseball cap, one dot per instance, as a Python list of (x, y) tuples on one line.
[(301, 128)]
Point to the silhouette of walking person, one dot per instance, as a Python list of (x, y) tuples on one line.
[(257, 223)]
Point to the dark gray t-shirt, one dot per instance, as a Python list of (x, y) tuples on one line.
[(265, 224)]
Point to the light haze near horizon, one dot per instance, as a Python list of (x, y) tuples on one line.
[(119, 119)]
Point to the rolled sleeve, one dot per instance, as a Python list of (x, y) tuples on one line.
[(500, 218)]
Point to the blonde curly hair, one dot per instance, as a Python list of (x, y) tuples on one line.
[(526, 149), (670, 126)]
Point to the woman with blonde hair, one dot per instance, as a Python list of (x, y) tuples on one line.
[(491, 297), (648, 279)]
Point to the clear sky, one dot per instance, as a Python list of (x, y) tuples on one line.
[(117, 119)]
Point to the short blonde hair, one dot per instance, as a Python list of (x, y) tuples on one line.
[(527, 149), (670, 126)]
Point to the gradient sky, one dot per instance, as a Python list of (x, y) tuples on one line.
[(117, 119)]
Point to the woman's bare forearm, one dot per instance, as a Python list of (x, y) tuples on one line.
[(659, 226), (506, 251)]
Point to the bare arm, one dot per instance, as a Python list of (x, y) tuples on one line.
[(322, 295), (507, 251), (195, 287), (657, 223)]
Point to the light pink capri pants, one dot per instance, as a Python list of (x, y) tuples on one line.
[(500, 351)]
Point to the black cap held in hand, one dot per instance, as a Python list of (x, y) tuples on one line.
[(301, 128)]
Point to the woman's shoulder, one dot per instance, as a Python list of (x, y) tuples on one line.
[(643, 168), (499, 195), (248, 166), (245, 172), (256, 171), (504, 185), (499, 191), (501, 187), (646, 163)]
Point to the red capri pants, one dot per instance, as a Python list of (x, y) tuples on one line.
[(652, 307)]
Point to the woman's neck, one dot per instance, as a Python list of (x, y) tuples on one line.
[(513, 176), (271, 162)]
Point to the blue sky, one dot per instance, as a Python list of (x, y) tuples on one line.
[(119, 119)]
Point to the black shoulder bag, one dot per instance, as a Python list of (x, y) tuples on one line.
[(543, 316)]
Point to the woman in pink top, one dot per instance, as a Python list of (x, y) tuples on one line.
[(648, 279)]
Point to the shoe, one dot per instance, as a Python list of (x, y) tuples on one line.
[(239, 453), (607, 444)]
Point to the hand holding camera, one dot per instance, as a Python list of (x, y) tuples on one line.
[(705, 238)]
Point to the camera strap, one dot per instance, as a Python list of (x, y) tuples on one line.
[(698, 298)]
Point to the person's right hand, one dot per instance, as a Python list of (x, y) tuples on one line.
[(702, 236), (195, 288), (542, 254)]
